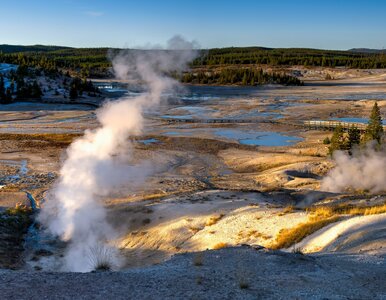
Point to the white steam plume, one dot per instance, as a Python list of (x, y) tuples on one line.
[(364, 170), (97, 163)]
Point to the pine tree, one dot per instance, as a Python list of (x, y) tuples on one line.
[(374, 130), (354, 137), (8, 96), (12, 86), (338, 140), (2, 88), (244, 82), (36, 91), (73, 93)]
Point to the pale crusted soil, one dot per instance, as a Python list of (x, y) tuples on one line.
[(223, 273)]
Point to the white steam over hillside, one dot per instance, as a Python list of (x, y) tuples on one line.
[(364, 170), (97, 163)]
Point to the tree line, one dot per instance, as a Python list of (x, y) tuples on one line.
[(94, 62), (79, 86), (239, 76), (24, 85), (291, 57), (84, 62), (19, 86), (5, 93), (341, 140)]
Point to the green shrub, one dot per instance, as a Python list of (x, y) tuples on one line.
[(327, 141)]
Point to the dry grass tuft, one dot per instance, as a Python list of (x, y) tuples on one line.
[(243, 284), (322, 212), (288, 237), (198, 259), (365, 211), (250, 234), (242, 273), (214, 219), (194, 229), (101, 258), (219, 246), (287, 210), (297, 250), (199, 280), (319, 217), (348, 209)]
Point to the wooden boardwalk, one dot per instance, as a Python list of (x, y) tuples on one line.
[(331, 125), (212, 121), (311, 124)]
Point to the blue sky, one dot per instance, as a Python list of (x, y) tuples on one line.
[(327, 24)]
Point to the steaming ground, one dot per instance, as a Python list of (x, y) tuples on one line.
[(364, 170), (99, 162), (204, 192)]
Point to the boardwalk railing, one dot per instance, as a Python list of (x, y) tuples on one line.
[(331, 125), (177, 120), (312, 124)]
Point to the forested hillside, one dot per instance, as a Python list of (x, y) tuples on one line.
[(94, 62), (291, 57)]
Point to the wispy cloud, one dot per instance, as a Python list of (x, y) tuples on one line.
[(93, 13)]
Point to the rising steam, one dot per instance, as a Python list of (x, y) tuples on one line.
[(364, 170), (97, 163)]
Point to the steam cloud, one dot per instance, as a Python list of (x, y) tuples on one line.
[(97, 163), (364, 170)]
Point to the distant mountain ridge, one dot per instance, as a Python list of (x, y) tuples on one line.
[(5, 48), (367, 50)]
